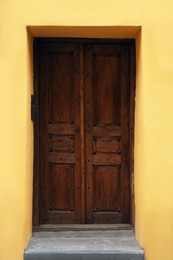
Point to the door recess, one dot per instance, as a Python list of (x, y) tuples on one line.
[(83, 132)]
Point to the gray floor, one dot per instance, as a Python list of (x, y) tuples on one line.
[(84, 245)]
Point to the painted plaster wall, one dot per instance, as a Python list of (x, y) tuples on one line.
[(153, 120)]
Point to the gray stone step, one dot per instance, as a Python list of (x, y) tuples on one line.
[(84, 245)]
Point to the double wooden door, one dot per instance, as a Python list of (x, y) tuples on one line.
[(83, 132)]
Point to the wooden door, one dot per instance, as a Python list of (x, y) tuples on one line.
[(106, 132), (83, 132)]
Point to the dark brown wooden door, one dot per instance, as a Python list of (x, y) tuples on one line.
[(106, 132), (83, 133)]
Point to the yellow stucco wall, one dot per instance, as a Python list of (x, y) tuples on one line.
[(153, 117)]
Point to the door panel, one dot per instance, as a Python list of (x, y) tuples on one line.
[(105, 73), (84, 133), (61, 187), (107, 176)]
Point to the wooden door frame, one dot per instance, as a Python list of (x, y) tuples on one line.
[(36, 199)]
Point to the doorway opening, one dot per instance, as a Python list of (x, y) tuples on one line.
[(84, 131)]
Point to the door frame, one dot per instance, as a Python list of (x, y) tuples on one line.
[(132, 78)]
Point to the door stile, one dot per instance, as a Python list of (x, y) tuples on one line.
[(77, 75), (125, 181), (88, 133), (44, 162), (132, 81), (82, 134)]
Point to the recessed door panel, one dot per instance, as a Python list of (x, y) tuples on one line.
[(61, 87), (61, 181), (106, 88)]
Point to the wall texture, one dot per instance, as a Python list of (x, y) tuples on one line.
[(150, 22)]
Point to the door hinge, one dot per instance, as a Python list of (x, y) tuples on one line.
[(33, 108)]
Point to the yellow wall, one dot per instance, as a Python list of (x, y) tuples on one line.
[(154, 107)]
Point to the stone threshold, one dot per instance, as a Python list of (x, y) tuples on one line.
[(84, 245)]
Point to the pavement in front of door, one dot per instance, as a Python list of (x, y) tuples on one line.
[(84, 245)]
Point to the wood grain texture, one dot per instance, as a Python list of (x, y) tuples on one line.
[(60, 200), (107, 120)]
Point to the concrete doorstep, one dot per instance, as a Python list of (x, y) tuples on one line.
[(84, 245)]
